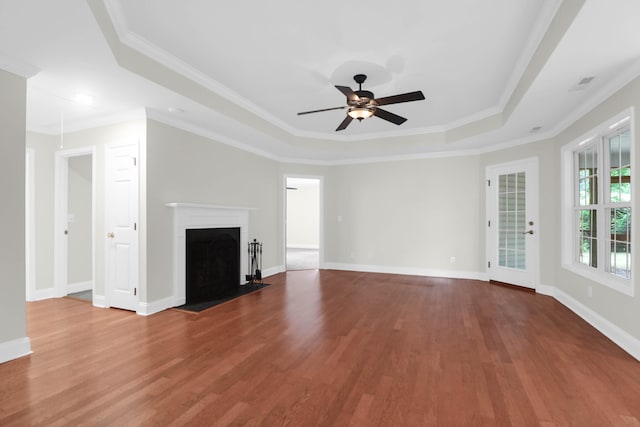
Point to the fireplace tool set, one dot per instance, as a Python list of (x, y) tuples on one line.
[(255, 263)]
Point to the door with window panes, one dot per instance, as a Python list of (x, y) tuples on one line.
[(512, 223)]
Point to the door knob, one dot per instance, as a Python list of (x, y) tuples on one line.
[(111, 235), (528, 232)]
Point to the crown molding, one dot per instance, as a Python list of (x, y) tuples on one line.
[(138, 43), (206, 133), (605, 92), (17, 67), (537, 35), (94, 122)]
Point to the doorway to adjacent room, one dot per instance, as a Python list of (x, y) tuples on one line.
[(303, 222)]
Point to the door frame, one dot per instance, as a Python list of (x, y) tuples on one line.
[(320, 179), (529, 164), (61, 200), (108, 184), (30, 252)]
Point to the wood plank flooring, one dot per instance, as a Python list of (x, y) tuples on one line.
[(324, 348)]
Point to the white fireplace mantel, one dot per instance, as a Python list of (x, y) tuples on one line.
[(194, 215)]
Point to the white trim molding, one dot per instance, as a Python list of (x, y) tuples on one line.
[(195, 215), (14, 349), (79, 286), (60, 252), (410, 271), (271, 271), (153, 307), (41, 294), (619, 336), (616, 334), (569, 255), (100, 301), (18, 67)]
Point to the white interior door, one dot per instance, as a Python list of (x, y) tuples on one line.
[(122, 226), (512, 223)]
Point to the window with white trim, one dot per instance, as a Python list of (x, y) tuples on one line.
[(600, 209)]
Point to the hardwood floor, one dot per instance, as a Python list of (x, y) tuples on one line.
[(325, 348)]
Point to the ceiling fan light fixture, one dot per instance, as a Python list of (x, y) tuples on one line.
[(360, 113)]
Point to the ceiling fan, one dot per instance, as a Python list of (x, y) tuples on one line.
[(362, 104)]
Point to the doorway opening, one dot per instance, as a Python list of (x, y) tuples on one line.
[(74, 243), (303, 223)]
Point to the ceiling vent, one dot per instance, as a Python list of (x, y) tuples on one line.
[(582, 83)]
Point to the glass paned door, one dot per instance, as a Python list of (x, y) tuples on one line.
[(512, 229)]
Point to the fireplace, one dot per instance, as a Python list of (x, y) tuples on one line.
[(193, 216), (212, 263)]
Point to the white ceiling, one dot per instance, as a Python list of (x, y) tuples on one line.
[(239, 72)]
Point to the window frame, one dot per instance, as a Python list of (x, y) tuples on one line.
[(598, 137)]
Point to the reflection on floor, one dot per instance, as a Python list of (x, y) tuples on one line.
[(83, 295), (303, 259)]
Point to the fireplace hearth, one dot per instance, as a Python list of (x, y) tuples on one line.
[(187, 216), (212, 263)]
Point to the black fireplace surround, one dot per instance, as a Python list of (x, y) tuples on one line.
[(212, 263)]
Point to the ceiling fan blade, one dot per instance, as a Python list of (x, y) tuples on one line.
[(344, 123), (324, 109), (405, 97), (351, 95), (390, 117)]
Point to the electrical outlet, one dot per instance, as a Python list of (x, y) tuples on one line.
[(590, 291), (452, 260)]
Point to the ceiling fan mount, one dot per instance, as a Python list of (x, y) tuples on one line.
[(362, 104)]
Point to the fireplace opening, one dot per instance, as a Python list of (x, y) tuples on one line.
[(212, 263)]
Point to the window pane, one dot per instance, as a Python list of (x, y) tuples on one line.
[(625, 149), (588, 176), (620, 167), (620, 242), (587, 238)]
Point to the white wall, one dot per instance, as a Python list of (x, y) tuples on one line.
[(183, 167), (79, 239), (44, 149), (405, 216), (13, 326), (620, 309), (609, 310)]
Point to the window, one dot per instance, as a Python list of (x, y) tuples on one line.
[(597, 174)]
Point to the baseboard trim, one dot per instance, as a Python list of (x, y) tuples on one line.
[(410, 271), (149, 308), (42, 294), (619, 336), (14, 349), (79, 286), (100, 301), (545, 290), (273, 270), (623, 339), (303, 246)]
